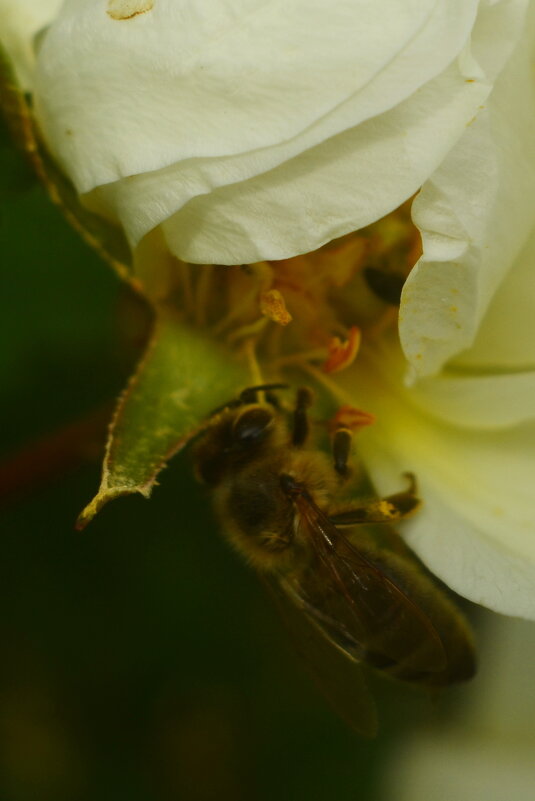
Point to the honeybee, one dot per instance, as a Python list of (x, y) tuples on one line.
[(349, 588)]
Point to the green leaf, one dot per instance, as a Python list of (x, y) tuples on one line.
[(182, 377)]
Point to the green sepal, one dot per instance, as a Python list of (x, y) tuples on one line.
[(181, 378), (107, 239), (183, 374)]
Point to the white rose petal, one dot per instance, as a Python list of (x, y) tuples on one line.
[(505, 340), (260, 130), (475, 214), (462, 767), (20, 22), (276, 213), (476, 530), (484, 751), (477, 401), (491, 385), (206, 79)]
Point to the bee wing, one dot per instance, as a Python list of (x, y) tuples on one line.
[(341, 680), (348, 593)]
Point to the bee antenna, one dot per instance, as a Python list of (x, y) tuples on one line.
[(249, 395)]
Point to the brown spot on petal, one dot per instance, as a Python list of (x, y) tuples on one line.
[(126, 9)]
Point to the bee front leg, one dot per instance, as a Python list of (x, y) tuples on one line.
[(341, 450), (382, 510), (300, 427), (406, 502)]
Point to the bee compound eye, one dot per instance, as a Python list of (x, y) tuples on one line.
[(252, 425)]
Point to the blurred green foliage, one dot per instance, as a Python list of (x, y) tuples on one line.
[(140, 659)]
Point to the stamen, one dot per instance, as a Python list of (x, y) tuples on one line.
[(254, 367), (184, 272), (300, 358), (342, 354), (351, 418), (202, 292), (333, 387), (251, 331), (273, 306)]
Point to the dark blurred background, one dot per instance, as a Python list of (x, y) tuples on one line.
[(140, 659)]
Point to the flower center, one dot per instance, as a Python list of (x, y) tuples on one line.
[(313, 308)]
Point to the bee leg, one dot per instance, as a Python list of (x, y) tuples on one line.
[(382, 510), (300, 425), (407, 502), (341, 450)]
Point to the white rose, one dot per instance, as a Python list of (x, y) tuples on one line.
[(485, 749), (20, 23), (254, 130), (250, 130), (466, 421)]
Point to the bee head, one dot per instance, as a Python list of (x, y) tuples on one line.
[(251, 427), (236, 437)]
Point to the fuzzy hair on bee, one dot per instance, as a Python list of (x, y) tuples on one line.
[(339, 570)]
